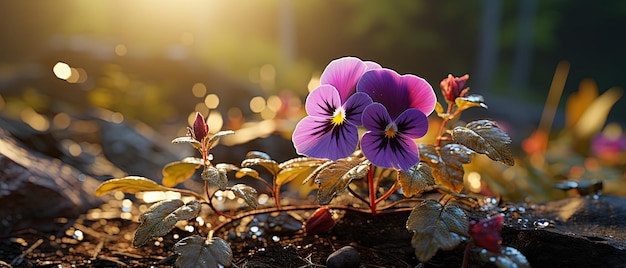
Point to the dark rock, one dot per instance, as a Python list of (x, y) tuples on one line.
[(345, 257), (35, 188)]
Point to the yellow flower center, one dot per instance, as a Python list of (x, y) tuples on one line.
[(391, 130), (339, 117)]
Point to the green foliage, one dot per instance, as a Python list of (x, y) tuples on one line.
[(485, 137), (196, 251), (436, 227), (130, 184), (161, 217), (416, 180), (335, 176)]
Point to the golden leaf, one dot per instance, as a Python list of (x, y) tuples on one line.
[(130, 184)]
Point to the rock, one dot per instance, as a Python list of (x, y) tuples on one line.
[(36, 188), (345, 257)]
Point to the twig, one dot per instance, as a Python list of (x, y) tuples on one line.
[(20, 258)]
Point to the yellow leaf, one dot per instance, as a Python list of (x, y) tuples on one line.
[(579, 101), (130, 184), (176, 172), (594, 117)]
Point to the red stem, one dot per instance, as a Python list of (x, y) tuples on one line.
[(276, 193), (466, 254), (389, 192), (372, 191)]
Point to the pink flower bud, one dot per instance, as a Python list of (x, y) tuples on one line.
[(200, 128), (454, 87), (320, 222)]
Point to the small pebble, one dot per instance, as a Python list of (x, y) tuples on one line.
[(346, 257)]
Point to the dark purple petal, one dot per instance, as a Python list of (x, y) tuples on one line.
[(343, 74), (354, 107), (322, 101), (319, 137), (412, 123), (396, 151), (397, 92)]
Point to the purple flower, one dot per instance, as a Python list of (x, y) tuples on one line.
[(334, 111), (397, 116)]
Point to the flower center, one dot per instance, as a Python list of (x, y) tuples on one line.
[(391, 130), (339, 116)]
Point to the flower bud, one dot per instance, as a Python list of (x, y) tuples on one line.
[(200, 128), (486, 233), (454, 87), (320, 222)]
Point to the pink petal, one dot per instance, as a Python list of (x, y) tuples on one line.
[(343, 74), (322, 101)]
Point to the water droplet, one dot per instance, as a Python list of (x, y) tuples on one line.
[(275, 238), (492, 259), (541, 223), (254, 229)]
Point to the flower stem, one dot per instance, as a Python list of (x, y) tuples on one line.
[(466, 254), (276, 193), (389, 192), (372, 191)]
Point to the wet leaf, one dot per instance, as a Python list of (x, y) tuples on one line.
[(130, 184), (486, 233), (161, 217), (215, 177), (436, 227), (271, 165), (242, 172), (485, 137), (226, 167), (464, 103), (447, 163), (188, 139), (258, 154), (415, 180), (246, 193), (177, 172), (335, 177), (213, 140), (297, 169), (195, 251), (508, 258), (320, 222)]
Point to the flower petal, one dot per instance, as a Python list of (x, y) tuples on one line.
[(397, 92), (354, 107), (343, 74), (399, 151), (322, 101), (318, 137), (412, 123)]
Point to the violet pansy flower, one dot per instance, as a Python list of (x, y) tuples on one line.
[(334, 111), (397, 116)]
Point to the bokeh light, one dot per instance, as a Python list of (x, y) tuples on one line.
[(198, 90), (212, 101), (62, 70), (257, 104)]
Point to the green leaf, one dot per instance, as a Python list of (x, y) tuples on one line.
[(188, 139), (246, 193), (416, 180), (130, 184), (161, 217), (447, 163), (485, 137), (436, 227), (213, 140), (177, 172), (297, 169), (464, 103), (215, 177), (508, 258), (271, 165), (336, 177), (195, 251)]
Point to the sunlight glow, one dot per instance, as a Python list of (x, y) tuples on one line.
[(62, 70), (274, 103), (215, 121), (257, 104), (34, 119), (121, 50), (198, 90), (473, 179), (212, 101)]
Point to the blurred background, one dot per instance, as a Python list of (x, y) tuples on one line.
[(248, 65)]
